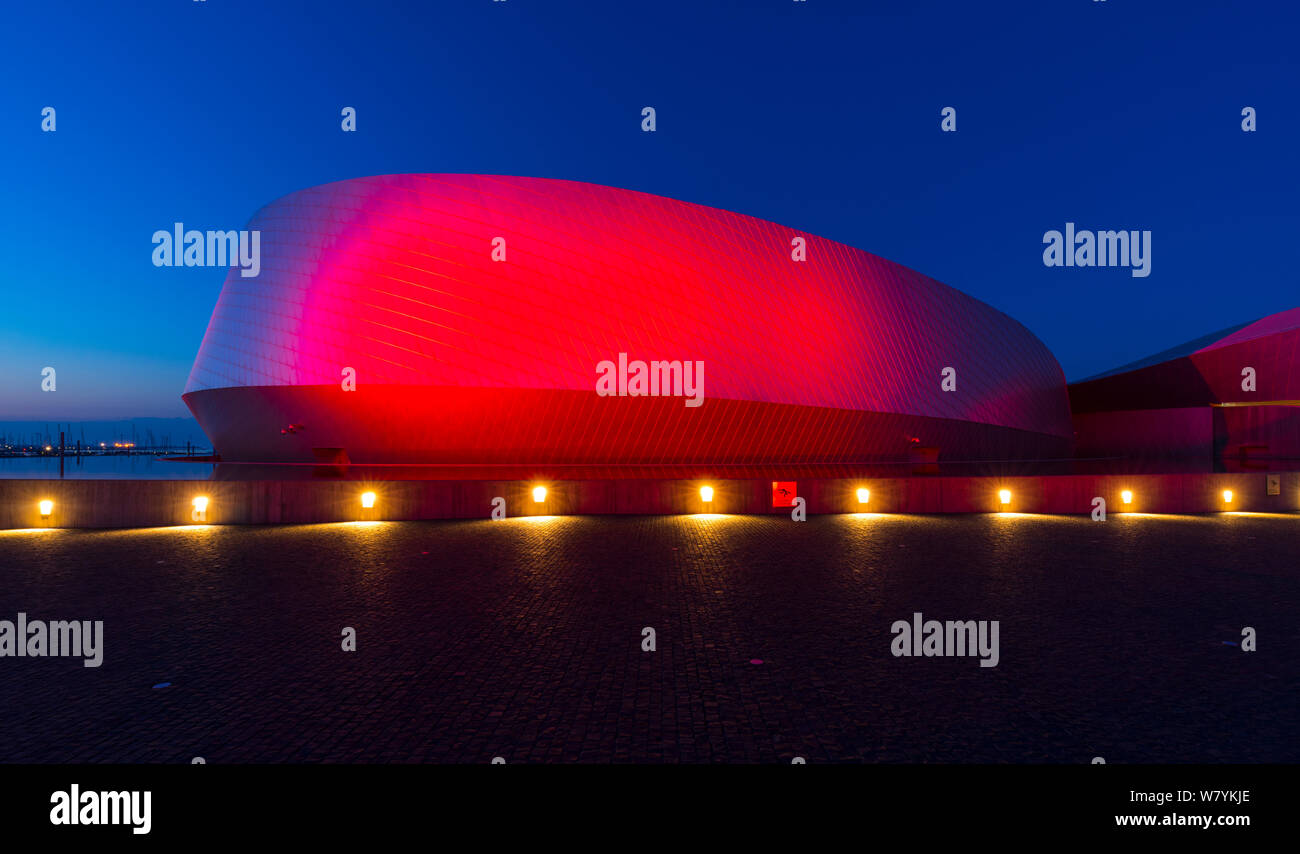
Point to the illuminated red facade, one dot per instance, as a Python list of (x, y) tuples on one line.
[(460, 357), (1233, 396)]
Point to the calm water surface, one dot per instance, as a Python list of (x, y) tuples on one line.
[(107, 467)]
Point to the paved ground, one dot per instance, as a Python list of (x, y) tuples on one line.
[(522, 639)]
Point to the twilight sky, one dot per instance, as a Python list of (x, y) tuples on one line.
[(820, 115)]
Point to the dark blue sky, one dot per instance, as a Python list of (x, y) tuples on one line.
[(820, 115)]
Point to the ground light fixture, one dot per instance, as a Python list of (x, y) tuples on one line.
[(864, 495), (1004, 495), (539, 494), (706, 494), (1126, 496), (47, 507), (367, 500)]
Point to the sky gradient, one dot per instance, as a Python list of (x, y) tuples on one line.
[(819, 115)]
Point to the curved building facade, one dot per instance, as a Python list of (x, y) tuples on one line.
[(475, 314), (1230, 396)]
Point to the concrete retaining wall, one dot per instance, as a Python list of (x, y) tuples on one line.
[(147, 503)]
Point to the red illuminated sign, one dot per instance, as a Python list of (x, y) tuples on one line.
[(783, 493)]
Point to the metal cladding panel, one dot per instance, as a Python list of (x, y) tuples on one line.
[(394, 277), (1274, 324), (397, 425), (1207, 375)]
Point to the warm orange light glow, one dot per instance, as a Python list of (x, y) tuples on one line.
[(1126, 496), (539, 494), (367, 500), (864, 495), (47, 507), (706, 494), (1004, 496), (200, 503), (1227, 496)]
